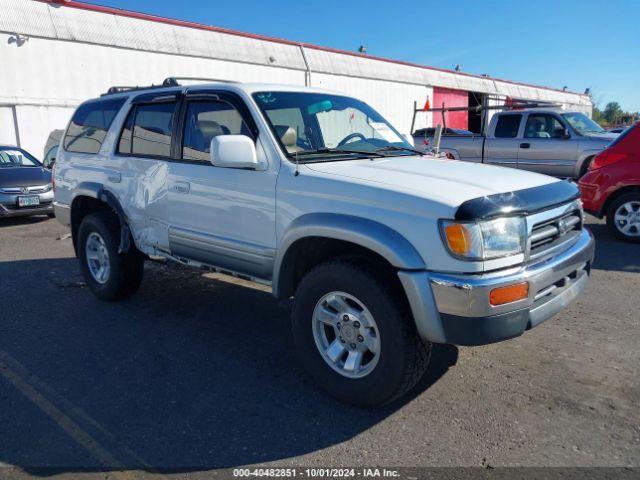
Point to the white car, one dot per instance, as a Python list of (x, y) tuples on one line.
[(383, 250)]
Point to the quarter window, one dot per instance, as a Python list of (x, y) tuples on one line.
[(205, 120), (507, 126), (90, 124), (147, 130)]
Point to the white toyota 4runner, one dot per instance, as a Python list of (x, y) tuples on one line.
[(383, 250)]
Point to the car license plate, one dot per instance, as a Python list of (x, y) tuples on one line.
[(29, 201)]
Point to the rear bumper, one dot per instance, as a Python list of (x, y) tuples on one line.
[(592, 193), (455, 308), (42, 209), (9, 205), (63, 213)]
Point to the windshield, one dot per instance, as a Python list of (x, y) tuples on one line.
[(582, 124), (316, 126), (15, 157)]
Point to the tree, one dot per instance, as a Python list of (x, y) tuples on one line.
[(612, 112)]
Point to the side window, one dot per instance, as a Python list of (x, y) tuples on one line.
[(205, 120), (543, 126), (507, 126), (89, 125), (147, 130)]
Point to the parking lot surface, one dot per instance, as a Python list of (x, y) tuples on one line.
[(197, 373)]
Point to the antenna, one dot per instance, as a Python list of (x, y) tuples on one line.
[(297, 172)]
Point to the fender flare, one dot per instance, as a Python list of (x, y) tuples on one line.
[(586, 154), (97, 191), (374, 236)]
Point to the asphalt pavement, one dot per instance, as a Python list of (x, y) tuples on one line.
[(196, 373)]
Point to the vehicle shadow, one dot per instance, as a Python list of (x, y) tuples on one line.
[(189, 374), (611, 252), (18, 221)]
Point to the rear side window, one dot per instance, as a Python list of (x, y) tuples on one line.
[(90, 124), (507, 126), (147, 130)]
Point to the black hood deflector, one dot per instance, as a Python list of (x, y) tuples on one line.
[(520, 202)]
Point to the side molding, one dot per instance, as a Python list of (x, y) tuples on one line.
[(369, 234)]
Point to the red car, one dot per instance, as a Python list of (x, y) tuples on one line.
[(611, 187)]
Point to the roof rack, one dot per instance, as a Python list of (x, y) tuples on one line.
[(174, 81), (167, 82), (123, 88), (509, 104)]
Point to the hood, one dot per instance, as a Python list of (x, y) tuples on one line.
[(604, 137), (23, 176), (450, 182)]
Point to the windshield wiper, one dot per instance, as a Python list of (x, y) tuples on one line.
[(336, 151), (396, 148)]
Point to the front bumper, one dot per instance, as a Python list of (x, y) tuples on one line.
[(455, 309)]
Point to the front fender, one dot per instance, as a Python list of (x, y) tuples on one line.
[(374, 236)]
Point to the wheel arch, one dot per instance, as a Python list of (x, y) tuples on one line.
[(584, 160), (614, 195), (92, 197), (325, 234)]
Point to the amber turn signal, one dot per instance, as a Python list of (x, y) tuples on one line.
[(509, 294), (458, 238)]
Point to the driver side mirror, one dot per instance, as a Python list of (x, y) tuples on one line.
[(233, 151), (566, 135)]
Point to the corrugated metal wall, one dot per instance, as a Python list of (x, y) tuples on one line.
[(59, 56)]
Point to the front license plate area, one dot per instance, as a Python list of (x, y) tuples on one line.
[(28, 201)]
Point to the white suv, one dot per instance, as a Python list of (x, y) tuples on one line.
[(382, 249)]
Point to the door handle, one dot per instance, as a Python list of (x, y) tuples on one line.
[(181, 187), (525, 145)]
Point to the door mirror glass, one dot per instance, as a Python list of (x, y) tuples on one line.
[(233, 151), (566, 135)]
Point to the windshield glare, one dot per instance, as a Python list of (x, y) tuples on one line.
[(582, 124), (13, 157), (307, 122)]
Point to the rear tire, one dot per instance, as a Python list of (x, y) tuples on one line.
[(401, 356), (109, 274), (623, 217)]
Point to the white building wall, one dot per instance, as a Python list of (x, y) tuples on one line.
[(59, 56)]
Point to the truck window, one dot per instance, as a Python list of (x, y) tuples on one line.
[(543, 126), (89, 125), (205, 120), (507, 126), (147, 130)]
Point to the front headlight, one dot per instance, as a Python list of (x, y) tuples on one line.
[(484, 240)]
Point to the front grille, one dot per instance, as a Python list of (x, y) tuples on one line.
[(552, 233), (29, 190)]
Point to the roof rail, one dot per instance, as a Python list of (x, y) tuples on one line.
[(174, 81), (123, 88), (167, 82)]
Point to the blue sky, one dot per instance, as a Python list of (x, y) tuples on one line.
[(577, 43)]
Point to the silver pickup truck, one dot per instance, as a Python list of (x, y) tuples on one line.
[(554, 142)]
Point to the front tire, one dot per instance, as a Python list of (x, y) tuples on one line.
[(110, 275), (623, 217), (355, 334)]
